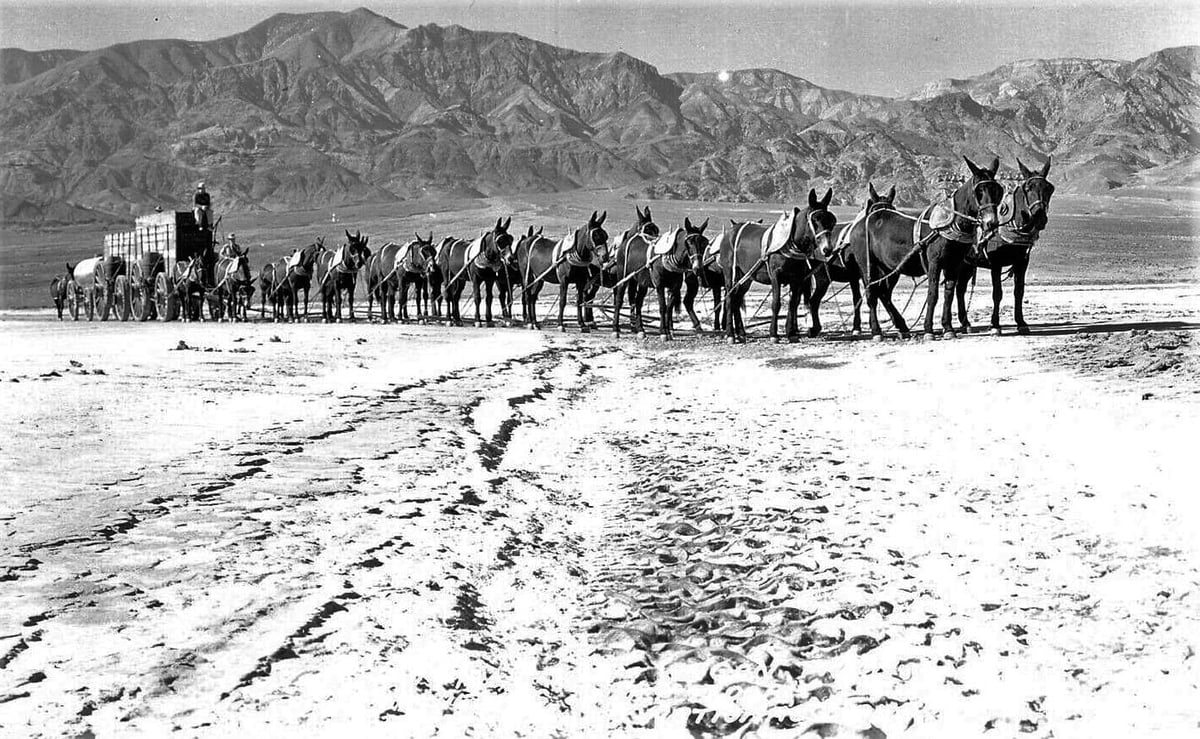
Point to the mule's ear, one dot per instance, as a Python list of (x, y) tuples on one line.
[(499, 225), (891, 194), (702, 226), (348, 236), (687, 224), (974, 169), (593, 218), (417, 235), (647, 212), (1025, 171), (1046, 167), (812, 198), (872, 196), (602, 217), (828, 197), (541, 229), (638, 210), (992, 170)]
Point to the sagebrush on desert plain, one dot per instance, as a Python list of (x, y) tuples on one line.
[(382, 381)]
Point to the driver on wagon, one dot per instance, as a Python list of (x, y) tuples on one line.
[(202, 207), (231, 249)]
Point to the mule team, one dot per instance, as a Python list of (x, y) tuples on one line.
[(806, 250)]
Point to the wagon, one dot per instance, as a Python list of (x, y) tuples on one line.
[(157, 242), (98, 286)]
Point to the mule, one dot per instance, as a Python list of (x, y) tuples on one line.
[(234, 285), (282, 280), (841, 267), (416, 265), (58, 290), (627, 258), (710, 275), (776, 255), (390, 272), (488, 268), (892, 244), (336, 273), (574, 259), (188, 279), (673, 255), (1027, 215)]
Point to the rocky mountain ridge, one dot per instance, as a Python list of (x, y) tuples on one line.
[(315, 109)]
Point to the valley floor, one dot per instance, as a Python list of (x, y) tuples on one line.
[(308, 530)]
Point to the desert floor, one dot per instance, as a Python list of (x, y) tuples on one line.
[(368, 530)]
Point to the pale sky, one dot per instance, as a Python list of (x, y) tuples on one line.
[(872, 46)]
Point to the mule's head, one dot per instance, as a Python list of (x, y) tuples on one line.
[(695, 243), (1035, 191), (594, 239), (526, 240), (645, 224), (422, 252), (980, 196), (875, 201), (814, 233), (357, 251), (497, 241)]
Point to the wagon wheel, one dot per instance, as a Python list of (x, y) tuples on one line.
[(121, 293), (139, 302), (161, 292), (104, 301), (73, 300), (89, 303)]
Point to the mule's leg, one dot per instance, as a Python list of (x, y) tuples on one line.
[(530, 299), (618, 299), (966, 275), (718, 314), (581, 291), (664, 311), (637, 302), (935, 278), (1020, 265), (562, 300), (856, 296), (488, 314), (820, 285), (776, 302), (593, 287), (691, 285), (951, 287), (791, 328), (885, 295)]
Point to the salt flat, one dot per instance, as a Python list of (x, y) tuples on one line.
[(418, 531)]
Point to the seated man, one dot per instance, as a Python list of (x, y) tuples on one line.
[(231, 248), (202, 207)]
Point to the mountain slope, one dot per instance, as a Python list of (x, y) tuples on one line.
[(316, 109)]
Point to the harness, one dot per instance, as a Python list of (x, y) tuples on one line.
[(337, 266)]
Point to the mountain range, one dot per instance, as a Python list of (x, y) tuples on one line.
[(318, 109)]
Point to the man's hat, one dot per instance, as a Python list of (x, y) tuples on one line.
[(230, 236), (199, 185)]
